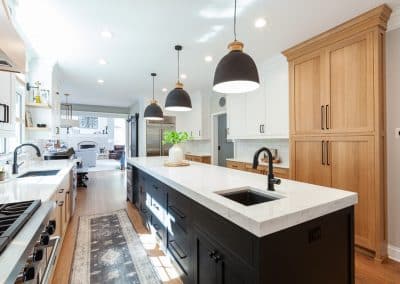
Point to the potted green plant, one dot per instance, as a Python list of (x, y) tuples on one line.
[(175, 138)]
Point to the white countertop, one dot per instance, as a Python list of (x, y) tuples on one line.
[(277, 165), (300, 202), (34, 188)]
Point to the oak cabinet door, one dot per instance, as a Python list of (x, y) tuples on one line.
[(352, 163), (307, 100), (310, 161), (351, 81)]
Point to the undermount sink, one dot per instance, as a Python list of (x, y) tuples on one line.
[(39, 173), (248, 196)]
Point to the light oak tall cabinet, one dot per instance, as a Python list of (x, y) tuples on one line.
[(337, 118)]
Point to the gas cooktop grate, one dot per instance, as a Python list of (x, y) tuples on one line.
[(13, 217)]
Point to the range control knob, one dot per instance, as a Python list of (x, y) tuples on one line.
[(53, 223), (50, 229), (44, 239), (29, 273), (37, 255)]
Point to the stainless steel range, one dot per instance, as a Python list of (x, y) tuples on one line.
[(27, 250), (13, 217)]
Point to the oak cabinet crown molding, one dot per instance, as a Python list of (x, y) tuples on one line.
[(375, 18)]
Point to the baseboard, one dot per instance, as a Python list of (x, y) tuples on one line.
[(394, 253)]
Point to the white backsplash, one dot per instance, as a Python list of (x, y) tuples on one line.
[(245, 149), (197, 147)]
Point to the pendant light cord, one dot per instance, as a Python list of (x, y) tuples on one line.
[(153, 88), (178, 66), (234, 22)]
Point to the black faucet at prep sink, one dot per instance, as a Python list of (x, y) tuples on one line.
[(271, 179), (15, 161)]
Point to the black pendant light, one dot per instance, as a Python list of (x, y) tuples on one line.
[(236, 72), (153, 111), (178, 99)]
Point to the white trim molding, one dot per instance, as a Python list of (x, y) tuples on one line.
[(394, 21), (394, 253)]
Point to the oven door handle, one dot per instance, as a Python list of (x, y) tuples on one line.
[(54, 242)]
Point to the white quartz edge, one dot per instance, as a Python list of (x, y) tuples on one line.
[(276, 165), (303, 202)]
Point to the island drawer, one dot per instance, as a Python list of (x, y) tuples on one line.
[(159, 228), (179, 208), (179, 246), (235, 239), (157, 190)]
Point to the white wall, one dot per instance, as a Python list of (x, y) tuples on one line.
[(393, 143)]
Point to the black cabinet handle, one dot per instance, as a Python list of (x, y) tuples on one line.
[(327, 153), (4, 120), (211, 253), (8, 114), (322, 117), (176, 211), (322, 152), (326, 116), (175, 247)]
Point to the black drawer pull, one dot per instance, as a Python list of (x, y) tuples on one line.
[(176, 211), (155, 187), (155, 206), (4, 113), (175, 247)]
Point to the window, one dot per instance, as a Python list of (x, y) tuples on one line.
[(13, 142)]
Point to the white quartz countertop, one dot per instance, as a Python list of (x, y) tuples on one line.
[(299, 202), (35, 188), (276, 165)]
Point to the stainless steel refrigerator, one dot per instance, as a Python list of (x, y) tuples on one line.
[(154, 135)]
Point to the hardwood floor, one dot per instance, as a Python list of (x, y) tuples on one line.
[(106, 193)]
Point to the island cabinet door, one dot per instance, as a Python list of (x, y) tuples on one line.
[(310, 162), (352, 165), (214, 265)]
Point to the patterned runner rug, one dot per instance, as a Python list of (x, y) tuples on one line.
[(108, 250)]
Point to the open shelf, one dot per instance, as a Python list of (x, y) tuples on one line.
[(37, 128)]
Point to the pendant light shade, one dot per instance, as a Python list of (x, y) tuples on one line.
[(153, 111), (178, 99), (236, 72)]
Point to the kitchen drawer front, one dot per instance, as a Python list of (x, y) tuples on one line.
[(179, 243), (158, 210), (157, 190), (235, 239), (179, 209), (159, 229), (236, 165)]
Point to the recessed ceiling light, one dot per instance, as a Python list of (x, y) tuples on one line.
[(183, 76), (102, 61), (260, 22), (164, 90), (106, 34), (208, 58), (100, 81)]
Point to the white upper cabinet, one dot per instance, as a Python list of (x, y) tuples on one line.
[(276, 87), (263, 113), (197, 121), (236, 115), (7, 104), (255, 114)]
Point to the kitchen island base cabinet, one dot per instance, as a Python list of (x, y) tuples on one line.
[(208, 249)]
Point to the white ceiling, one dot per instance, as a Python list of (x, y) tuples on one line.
[(145, 31)]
